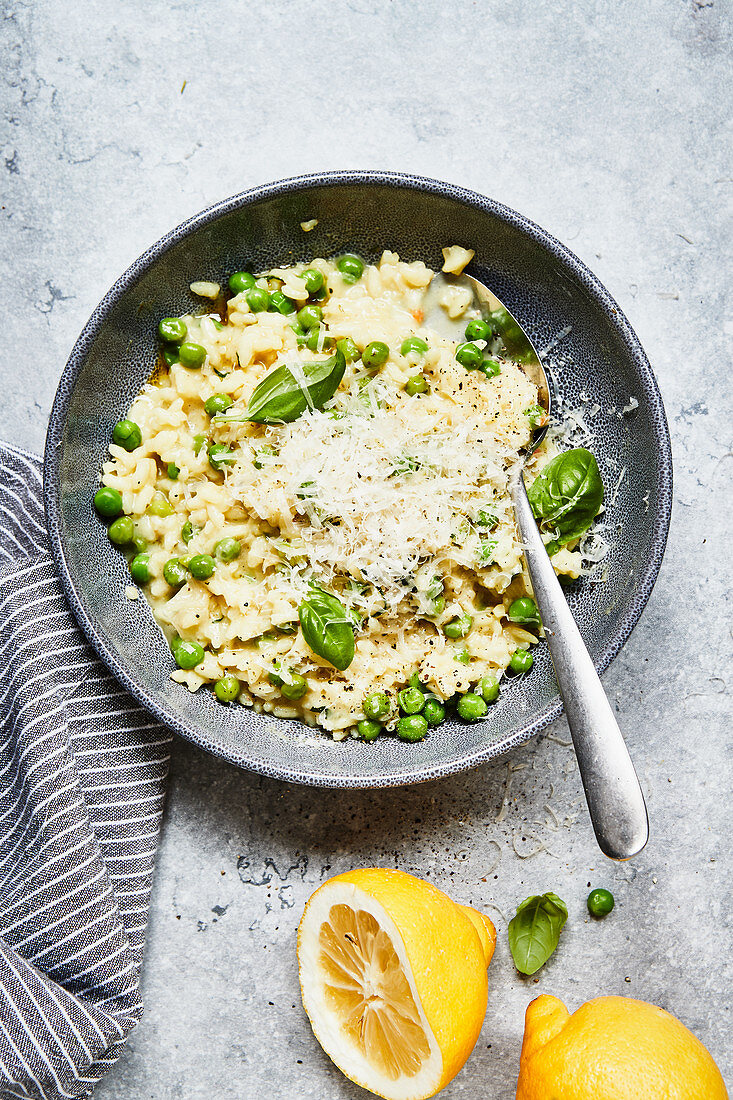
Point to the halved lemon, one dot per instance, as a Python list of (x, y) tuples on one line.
[(393, 978)]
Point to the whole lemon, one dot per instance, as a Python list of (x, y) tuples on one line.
[(612, 1048)]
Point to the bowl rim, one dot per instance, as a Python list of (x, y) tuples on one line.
[(59, 411)]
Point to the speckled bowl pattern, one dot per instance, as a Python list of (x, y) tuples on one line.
[(550, 292)]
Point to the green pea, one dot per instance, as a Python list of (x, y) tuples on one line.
[(376, 705), (412, 727), (241, 281), (108, 502), (280, 303), (414, 681), (188, 531), (315, 342), (478, 330), (522, 661), (140, 568), (159, 505), (187, 654), (192, 355), (411, 700), (437, 607), (348, 349), (217, 403), (469, 356), (127, 434), (434, 712), (350, 266), (524, 611), (258, 299), (414, 344), (139, 544), (310, 317), (170, 356), (172, 329), (173, 471), (600, 902), (368, 730), (471, 707), (313, 280), (297, 687), (175, 572), (121, 531), (490, 368), (199, 441), (227, 689), (459, 626), (201, 566), (416, 384), (228, 549), (463, 657), (375, 354), (220, 455), (489, 688)]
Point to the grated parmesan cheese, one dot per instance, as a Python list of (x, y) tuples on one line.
[(381, 488)]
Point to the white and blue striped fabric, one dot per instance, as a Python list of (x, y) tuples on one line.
[(82, 779)]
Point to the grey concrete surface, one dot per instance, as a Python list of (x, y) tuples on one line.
[(604, 122)]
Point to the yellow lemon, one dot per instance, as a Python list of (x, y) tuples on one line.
[(393, 977), (612, 1048)]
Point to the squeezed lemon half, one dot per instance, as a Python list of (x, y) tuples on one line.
[(393, 978)]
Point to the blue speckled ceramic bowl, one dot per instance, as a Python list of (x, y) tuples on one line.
[(549, 291)]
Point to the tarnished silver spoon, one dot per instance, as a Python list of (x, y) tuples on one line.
[(615, 801)]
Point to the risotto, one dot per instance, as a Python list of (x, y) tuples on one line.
[(313, 492)]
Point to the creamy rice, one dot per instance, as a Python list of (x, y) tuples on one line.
[(384, 498)]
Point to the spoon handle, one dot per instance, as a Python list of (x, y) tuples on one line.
[(612, 790)]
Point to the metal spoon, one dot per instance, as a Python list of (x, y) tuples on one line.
[(612, 790)]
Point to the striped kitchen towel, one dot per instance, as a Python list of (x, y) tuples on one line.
[(82, 778)]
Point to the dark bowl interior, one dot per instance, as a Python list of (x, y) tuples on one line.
[(548, 290)]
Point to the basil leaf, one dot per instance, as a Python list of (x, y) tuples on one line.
[(327, 628), (287, 391), (534, 931), (567, 494)]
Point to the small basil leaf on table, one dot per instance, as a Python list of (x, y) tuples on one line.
[(287, 391), (567, 494), (535, 929), (327, 628)]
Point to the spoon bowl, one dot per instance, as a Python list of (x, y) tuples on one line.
[(510, 339)]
